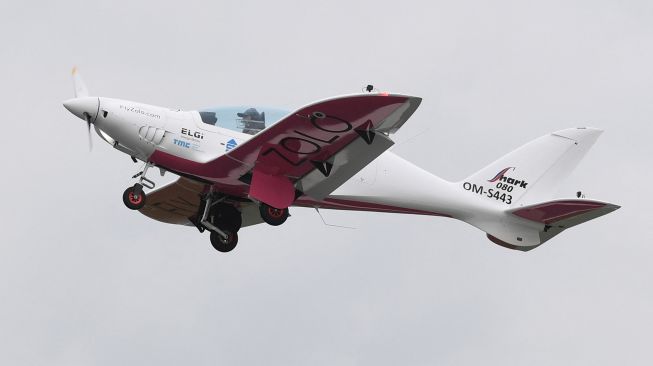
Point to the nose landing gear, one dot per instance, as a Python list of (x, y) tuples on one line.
[(134, 197)]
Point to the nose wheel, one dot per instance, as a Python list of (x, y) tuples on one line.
[(134, 197)]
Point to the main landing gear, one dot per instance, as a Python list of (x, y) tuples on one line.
[(224, 244), (222, 220), (134, 197), (216, 213), (273, 216)]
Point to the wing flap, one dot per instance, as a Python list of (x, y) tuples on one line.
[(176, 202), (331, 174)]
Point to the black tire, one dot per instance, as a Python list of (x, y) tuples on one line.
[(132, 200), (273, 216), (224, 245), (227, 217)]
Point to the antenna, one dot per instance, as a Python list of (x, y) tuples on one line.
[(325, 223)]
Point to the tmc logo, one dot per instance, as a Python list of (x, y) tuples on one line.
[(181, 143), (230, 144), (501, 176)]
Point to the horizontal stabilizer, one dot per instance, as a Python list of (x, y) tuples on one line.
[(546, 220), (528, 227), (564, 213)]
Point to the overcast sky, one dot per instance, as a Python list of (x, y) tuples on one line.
[(84, 281)]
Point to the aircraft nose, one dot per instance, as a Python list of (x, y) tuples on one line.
[(81, 107)]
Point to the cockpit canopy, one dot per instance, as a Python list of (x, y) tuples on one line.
[(245, 119)]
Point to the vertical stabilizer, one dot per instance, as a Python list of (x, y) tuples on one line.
[(533, 172), (520, 186)]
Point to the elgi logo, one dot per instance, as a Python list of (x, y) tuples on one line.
[(195, 134)]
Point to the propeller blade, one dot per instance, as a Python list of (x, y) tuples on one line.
[(88, 123), (80, 87)]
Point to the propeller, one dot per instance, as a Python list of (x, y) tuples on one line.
[(82, 91), (87, 117)]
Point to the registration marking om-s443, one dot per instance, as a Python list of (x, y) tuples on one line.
[(497, 194)]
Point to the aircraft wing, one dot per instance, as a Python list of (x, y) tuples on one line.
[(177, 202), (317, 148), (309, 152)]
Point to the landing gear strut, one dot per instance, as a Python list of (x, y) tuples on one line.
[(273, 216), (222, 220), (134, 197), (226, 217)]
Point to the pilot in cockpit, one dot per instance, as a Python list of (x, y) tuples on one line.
[(252, 121)]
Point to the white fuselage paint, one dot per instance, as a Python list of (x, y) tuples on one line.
[(139, 129), (142, 128), (494, 199)]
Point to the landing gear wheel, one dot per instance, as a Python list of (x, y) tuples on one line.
[(224, 245), (134, 198), (226, 217), (273, 216)]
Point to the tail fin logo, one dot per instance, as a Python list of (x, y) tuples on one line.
[(505, 181), (500, 174)]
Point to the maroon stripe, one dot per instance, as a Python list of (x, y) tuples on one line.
[(341, 204)]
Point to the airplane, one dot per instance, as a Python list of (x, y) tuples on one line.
[(245, 165)]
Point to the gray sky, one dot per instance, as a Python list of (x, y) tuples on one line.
[(84, 281)]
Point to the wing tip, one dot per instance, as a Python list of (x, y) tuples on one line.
[(579, 133)]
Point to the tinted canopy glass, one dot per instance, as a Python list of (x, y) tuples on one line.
[(246, 119)]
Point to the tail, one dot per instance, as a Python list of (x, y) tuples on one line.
[(519, 187)]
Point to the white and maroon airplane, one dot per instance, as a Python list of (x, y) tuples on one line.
[(241, 166)]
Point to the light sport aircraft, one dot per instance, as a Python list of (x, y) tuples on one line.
[(241, 166)]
